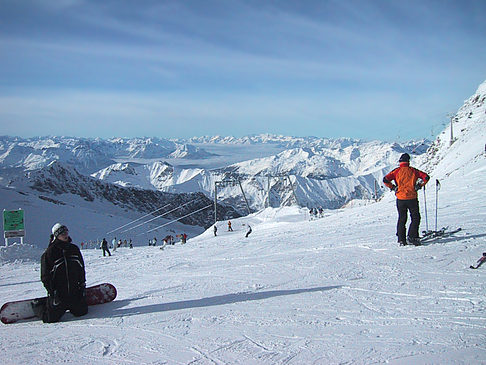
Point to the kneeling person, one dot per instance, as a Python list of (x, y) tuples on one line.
[(63, 275)]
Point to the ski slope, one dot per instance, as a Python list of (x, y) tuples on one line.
[(337, 290), (327, 291)]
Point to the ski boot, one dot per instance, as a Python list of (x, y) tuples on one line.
[(39, 307), (414, 241)]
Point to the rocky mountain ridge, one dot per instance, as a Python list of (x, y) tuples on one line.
[(56, 181)]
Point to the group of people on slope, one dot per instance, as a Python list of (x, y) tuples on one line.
[(230, 229), (316, 212), (169, 240), (63, 271), (114, 244)]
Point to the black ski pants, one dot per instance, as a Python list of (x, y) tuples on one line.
[(55, 309), (403, 207)]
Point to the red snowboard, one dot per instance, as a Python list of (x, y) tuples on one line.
[(12, 312)]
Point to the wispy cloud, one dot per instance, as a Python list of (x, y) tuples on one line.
[(105, 114)]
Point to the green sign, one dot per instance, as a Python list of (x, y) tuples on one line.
[(13, 220)]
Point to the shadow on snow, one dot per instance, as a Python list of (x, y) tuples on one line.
[(24, 282), (205, 302)]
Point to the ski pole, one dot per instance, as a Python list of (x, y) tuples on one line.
[(425, 206), (437, 188)]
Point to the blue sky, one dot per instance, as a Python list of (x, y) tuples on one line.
[(387, 70)]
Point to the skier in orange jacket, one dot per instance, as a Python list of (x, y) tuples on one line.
[(407, 181)]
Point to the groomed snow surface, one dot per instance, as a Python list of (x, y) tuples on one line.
[(337, 290)]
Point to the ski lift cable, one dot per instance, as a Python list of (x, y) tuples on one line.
[(175, 220), (136, 220), (159, 216)]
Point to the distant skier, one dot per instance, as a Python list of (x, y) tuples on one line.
[(479, 262), (104, 247), (229, 227), (407, 181), (113, 242), (215, 230), (183, 238), (248, 231)]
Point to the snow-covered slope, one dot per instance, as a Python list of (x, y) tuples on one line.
[(328, 291), (158, 175), (467, 142)]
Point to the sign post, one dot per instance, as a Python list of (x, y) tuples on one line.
[(13, 225)]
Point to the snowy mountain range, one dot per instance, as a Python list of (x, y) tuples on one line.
[(314, 172), (86, 154)]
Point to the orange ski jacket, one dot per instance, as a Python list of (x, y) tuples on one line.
[(405, 178)]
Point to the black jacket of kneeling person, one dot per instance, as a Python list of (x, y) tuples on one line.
[(63, 275)]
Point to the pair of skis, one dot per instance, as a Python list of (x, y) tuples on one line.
[(479, 262), (441, 233), (429, 235)]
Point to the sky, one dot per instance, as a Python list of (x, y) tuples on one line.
[(386, 70)]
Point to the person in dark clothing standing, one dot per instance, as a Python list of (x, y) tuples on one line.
[(104, 246), (248, 231), (64, 277), (407, 181)]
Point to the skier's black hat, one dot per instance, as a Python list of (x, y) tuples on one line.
[(404, 158)]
